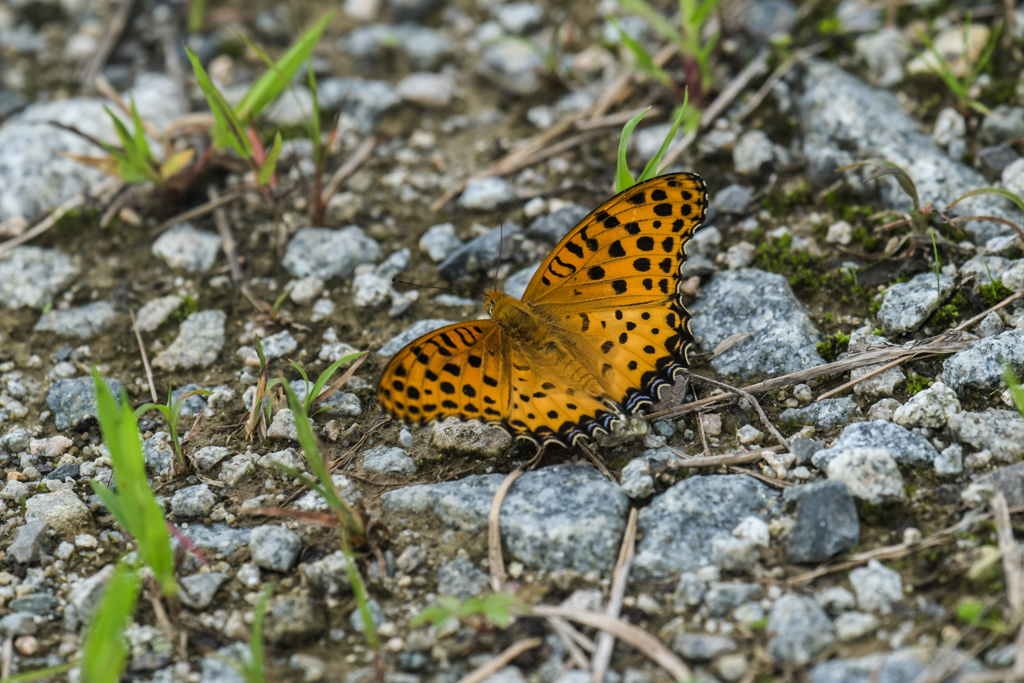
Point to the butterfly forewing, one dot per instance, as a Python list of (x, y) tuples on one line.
[(454, 371), (628, 251)]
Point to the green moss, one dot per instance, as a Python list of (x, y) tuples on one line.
[(993, 293), (948, 314), (778, 256), (865, 239), (916, 383), (188, 307), (833, 345), (779, 204)]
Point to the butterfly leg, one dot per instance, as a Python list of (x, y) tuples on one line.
[(536, 459)]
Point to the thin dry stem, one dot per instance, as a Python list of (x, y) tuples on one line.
[(92, 69), (58, 213), (494, 555), (606, 641), (145, 358), (564, 631), (346, 171), (783, 69), (757, 406), (597, 462), (511, 652), (707, 461), (626, 632), (200, 210)]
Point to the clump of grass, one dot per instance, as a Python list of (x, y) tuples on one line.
[(834, 345), (172, 414), (497, 609), (133, 506), (994, 291), (961, 87), (623, 178)]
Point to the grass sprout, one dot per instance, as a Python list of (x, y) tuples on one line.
[(172, 414), (254, 668), (623, 178), (497, 609), (312, 394), (961, 87), (105, 649), (133, 506)]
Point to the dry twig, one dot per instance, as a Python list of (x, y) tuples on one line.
[(753, 401), (346, 171), (626, 632), (494, 556), (110, 37), (58, 213), (145, 358), (565, 632), (605, 641), (200, 210), (511, 652)]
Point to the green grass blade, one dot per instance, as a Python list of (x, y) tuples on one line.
[(270, 85), (311, 449), (653, 17), (651, 169), (623, 178), (644, 61), (105, 650), (228, 128), (701, 12), (1006, 194), (39, 674), (257, 672), (1016, 391), (270, 162), (326, 375)]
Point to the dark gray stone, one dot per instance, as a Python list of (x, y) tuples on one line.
[(907, 305), (217, 538), (363, 100), (679, 525), (81, 322), (994, 158), (36, 603), (18, 624), (980, 365), (69, 469), (194, 404), (768, 18), (197, 590), (723, 597), (294, 619), (425, 47), (273, 547), (784, 337), (559, 517), (702, 646), (803, 449), (73, 400), (554, 226), (826, 523), (904, 665), (902, 445), (798, 629), (30, 540), (479, 254)]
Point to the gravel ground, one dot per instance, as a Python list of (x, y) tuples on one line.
[(793, 269)]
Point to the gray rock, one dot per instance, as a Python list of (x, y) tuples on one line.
[(158, 453), (283, 426), (30, 276), (16, 440), (853, 625), (999, 431), (217, 667), (554, 226), (328, 575), (736, 555), (733, 199), (363, 100), (701, 646), (736, 301), (387, 460), (425, 47), (328, 253), (84, 597), (565, 516), (679, 525), (844, 121), (193, 501), (770, 18), (217, 539), (355, 620), (753, 152), (82, 322), (990, 326), (293, 619), (199, 341), (995, 158), (804, 449), (980, 365), (931, 408), (198, 589), (63, 510), (798, 630), (40, 604), (427, 89), (826, 523), (907, 305), (186, 248), (512, 66), (885, 53), (339, 403), (487, 194), (471, 438), (439, 241), (414, 331), (461, 578), (836, 600), (869, 474), (35, 177), (273, 547), (14, 491), (877, 587), (288, 458), (824, 415), (950, 460), (516, 284), (721, 597), (73, 400), (480, 254), (1003, 123), (636, 484), (155, 311), (18, 624), (907, 664), (903, 446), (521, 17), (30, 541), (279, 345)]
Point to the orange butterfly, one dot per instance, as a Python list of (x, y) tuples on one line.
[(600, 330)]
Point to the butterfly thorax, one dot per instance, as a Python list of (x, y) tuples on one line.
[(517, 319)]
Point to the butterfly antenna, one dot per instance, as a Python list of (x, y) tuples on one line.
[(501, 238), (446, 289)]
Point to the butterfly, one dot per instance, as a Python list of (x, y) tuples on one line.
[(601, 328)]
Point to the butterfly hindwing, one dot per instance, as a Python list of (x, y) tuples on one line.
[(454, 371)]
